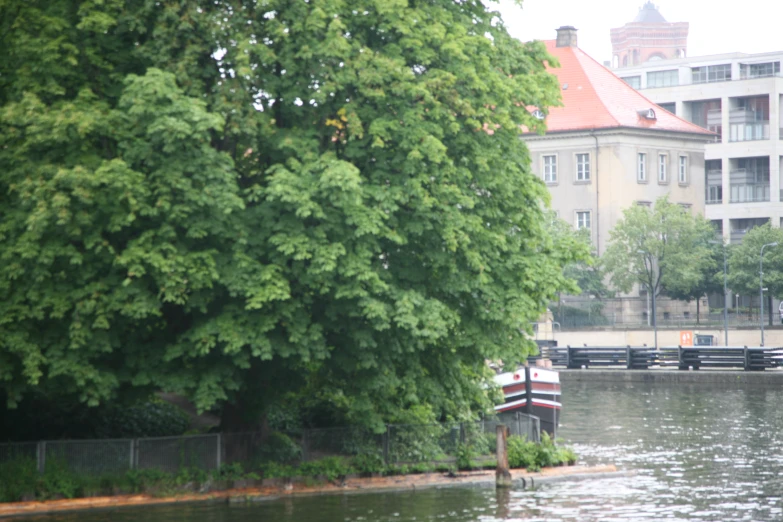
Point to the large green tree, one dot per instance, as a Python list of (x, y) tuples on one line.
[(660, 247), (744, 261), (231, 200)]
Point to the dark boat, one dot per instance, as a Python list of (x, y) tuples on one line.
[(545, 400)]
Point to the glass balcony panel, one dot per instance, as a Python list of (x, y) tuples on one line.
[(749, 131)]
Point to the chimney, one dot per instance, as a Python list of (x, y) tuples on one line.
[(566, 36)]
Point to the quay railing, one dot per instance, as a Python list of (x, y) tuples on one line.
[(749, 358)]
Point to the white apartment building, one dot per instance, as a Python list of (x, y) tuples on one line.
[(740, 97)]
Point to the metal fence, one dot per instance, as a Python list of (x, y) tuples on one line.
[(411, 443), (399, 444)]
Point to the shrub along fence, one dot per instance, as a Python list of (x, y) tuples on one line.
[(400, 444)]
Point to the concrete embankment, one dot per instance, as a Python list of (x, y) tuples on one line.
[(731, 377), (521, 478)]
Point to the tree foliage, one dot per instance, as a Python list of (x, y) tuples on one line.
[(660, 247), (745, 257), (709, 280), (231, 200), (586, 273)]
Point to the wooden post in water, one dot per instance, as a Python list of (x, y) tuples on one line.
[(502, 474)]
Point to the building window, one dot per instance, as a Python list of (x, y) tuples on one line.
[(759, 70), (714, 194), (671, 107), (662, 174), (641, 169), (550, 169), (683, 171), (583, 167), (663, 78), (583, 220), (633, 81), (749, 119), (645, 204), (707, 114), (711, 73)]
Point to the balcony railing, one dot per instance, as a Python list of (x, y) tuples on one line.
[(755, 175), (744, 115), (714, 176), (714, 117), (739, 77), (749, 193), (749, 131), (717, 201)]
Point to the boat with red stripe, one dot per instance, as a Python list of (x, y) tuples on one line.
[(543, 401)]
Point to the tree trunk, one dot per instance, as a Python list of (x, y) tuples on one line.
[(697, 310), (235, 417)]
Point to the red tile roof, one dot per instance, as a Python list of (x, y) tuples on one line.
[(597, 99)]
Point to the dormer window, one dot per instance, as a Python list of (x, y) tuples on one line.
[(647, 114), (538, 114)]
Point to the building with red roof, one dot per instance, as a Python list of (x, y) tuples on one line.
[(608, 146)]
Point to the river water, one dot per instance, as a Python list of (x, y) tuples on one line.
[(692, 452)]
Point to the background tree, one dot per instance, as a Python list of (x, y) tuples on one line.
[(233, 201), (660, 247), (709, 281), (586, 274), (744, 264)]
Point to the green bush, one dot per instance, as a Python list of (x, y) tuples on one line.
[(58, 481), (18, 479), (402, 469), (280, 448), (271, 470), (370, 462), (232, 472), (445, 468), (422, 467), (331, 468), (416, 443), (522, 453), (465, 456), (531, 456), (143, 480)]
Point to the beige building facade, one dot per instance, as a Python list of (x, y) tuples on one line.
[(608, 147), (624, 167)]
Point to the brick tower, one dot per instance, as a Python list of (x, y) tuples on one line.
[(649, 37)]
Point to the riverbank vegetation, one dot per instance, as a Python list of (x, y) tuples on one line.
[(20, 480)]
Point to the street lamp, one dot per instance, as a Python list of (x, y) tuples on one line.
[(761, 287), (725, 295), (654, 318)]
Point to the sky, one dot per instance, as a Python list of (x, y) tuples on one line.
[(716, 26)]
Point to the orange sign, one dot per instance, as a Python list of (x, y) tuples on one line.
[(686, 338)]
